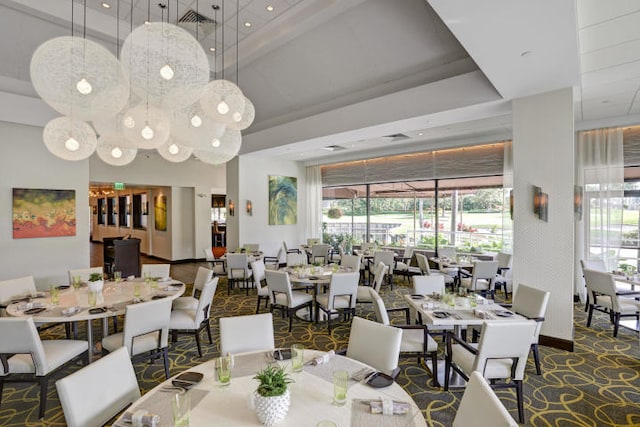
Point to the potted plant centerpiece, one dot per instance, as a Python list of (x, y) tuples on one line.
[(95, 282), (271, 398)]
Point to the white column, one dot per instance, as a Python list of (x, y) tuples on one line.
[(543, 156)]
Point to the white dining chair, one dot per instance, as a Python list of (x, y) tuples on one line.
[(425, 270), (283, 298), (504, 265), (386, 257), (480, 407), (194, 320), (242, 334), (363, 295), (532, 303), (351, 261), (156, 270), (26, 358), (289, 250), (403, 265), (15, 288), (217, 265), (320, 254), (203, 275), (96, 393), (428, 285), (260, 281), (146, 332), (296, 259), (238, 272), (482, 279), (84, 273), (375, 344), (340, 298)]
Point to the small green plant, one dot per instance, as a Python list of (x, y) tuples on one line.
[(94, 277), (274, 380)]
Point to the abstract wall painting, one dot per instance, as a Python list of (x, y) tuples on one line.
[(161, 212), (283, 200), (43, 213)]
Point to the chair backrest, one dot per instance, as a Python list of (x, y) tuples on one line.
[(294, 259), (532, 303), (20, 336), (313, 241), (427, 285), (84, 273), (423, 264), (96, 393), (387, 257), (156, 270), (379, 308), (351, 261), (203, 275), (237, 265), (252, 247), (20, 286), (408, 253), (258, 269), (484, 270), (320, 253), (480, 407), (344, 284), (205, 301), (241, 334), (505, 340), (375, 344), (381, 271), (278, 282), (367, 246), (447, 252), (504, 260), (602, 283), (208, 254), (144, 318), (593, 264)]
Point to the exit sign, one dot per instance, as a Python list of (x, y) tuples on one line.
[(118, 185)]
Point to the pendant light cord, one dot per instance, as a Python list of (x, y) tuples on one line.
[(222, 39), (237, 42), (215, 42)]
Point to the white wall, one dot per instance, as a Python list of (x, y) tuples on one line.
[(253, 184), (543, 156), (26, 163), (182, 225), (152, 170)]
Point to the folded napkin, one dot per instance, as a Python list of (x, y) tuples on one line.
[(141, 418), (323, 358), (388, 407), (481, 314)]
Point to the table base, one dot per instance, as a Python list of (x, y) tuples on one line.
[(630, 324), (303, 314)]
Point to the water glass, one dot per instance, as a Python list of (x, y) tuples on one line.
[(117, 276), (181, 409), (93, 298), (340, 381), (297, 357), (223, 370), (76, 282), (136, 290), (54, 292), (473, 300)]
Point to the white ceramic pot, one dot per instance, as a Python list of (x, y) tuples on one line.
[(95, 286), (271, 410)]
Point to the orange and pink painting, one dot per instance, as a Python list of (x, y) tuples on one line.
[(43, 213)]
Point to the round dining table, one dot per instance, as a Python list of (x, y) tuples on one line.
[(73, 305), (311, 396)]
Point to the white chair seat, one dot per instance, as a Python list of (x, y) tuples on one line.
[(627, 305), (141, 344), (182, 319), (413, 339), (57, 352), (481, 284), (185, 303), (263, 291), (298, 298), (339, 301), (363, 294), (239, 274), (495, 368)]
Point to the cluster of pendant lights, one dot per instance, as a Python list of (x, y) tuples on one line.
[(157, 96)]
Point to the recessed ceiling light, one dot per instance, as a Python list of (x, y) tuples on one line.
[(105, 5), (420, 133), (212, 49), (146, 22), (270, 8), (247, 24)]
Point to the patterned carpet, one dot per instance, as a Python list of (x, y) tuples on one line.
[(596, 385)]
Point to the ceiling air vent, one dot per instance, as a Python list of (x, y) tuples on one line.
[(192, 20), (397, 137), (334, 148)]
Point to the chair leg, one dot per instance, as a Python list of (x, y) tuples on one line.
[(197, 335), (165, 356), (434, 368), (290, 318), (520, 402), (258, 306), (536, 358), (589, 316), (43, 396), (329, 320), (616, 323), (209, 331)]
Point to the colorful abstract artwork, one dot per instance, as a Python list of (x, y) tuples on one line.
[(161, 212), (283, 200), (43, 213)]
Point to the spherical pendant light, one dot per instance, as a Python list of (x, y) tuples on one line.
[(78, 78), (195, 128), (165, 64), (174, 151), (69, 138), (246, 118), (226, 150), (223, 101), (146, 126), (115, 150)]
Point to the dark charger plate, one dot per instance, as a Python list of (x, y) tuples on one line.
[(380, 380)]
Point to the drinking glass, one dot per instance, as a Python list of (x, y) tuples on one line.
[(76, 282), (136, 290), (297, 357), (340, 380), (117, 276), (54, 292), (93, 298), (223, 370), (181, 409), (473, 300), (153, 284)]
